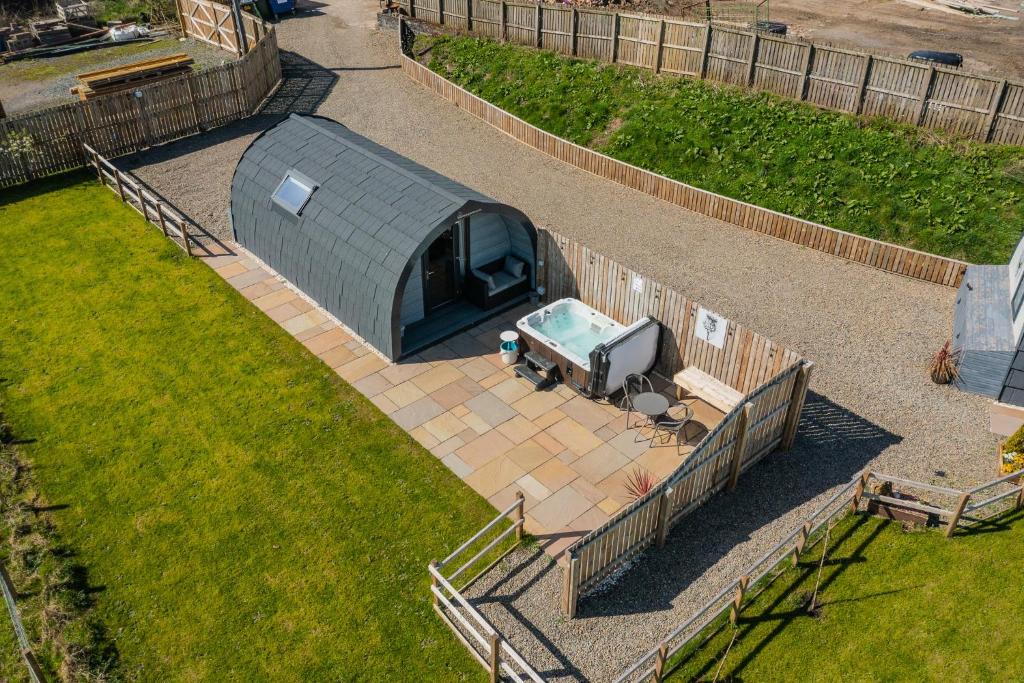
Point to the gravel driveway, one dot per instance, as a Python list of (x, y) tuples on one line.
[(870, 334)]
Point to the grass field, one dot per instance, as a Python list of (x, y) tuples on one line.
[(895, 606), (895, 183), (242, 513)]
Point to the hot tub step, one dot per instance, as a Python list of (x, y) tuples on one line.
[(533, 378), (539, 362)]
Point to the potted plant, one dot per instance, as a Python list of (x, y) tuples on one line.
[(944, 364)]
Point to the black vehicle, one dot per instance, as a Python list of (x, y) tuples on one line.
[(944, 58), (776, 28)]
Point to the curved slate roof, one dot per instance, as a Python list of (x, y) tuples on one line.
[(353, 246)]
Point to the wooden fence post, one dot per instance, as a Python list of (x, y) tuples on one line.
[(502, 21), (805, 79), (858, 492), (858, 106), (922, 98), (615, 37), (752, 59), (143, 114), (575, 30), (161, 218), (659, 662), (99, 169), (33, 664), (796, 404), (469, 15), (120, 187), (955, 519), (997, 103), (664, 513), (495, 658), (181, 16), (192, 104), (1020, 495), (412, 9), (737, 601), (740, 445), (570, 589), (706, 51), (661, 41), (433, 583), (801, 542), (520, 514), (440, 12), (537, 37)]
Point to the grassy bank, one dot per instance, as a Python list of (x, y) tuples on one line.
[(894, 606), (896, 183), (242, 512)]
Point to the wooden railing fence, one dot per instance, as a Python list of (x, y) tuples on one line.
[(985, 108), (652, 665), (765, 421), (51, 141), (482, 640), (882, 255), (132, 193)]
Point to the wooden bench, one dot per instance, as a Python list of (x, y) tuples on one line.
[(695, 381)]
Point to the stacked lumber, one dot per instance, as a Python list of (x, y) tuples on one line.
[(130, 76)]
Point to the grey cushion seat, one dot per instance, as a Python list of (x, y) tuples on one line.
[(503, 281)]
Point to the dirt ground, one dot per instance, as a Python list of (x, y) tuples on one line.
[(898, 27)]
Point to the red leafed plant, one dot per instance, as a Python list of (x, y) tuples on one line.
[(639, 483), (943, 366)]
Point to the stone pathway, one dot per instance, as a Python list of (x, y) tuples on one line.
[(568, 455)]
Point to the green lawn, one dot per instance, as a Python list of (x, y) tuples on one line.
[(896, 606), (875, 178), (242, 513)]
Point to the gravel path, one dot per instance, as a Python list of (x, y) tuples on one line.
[(32, 84), (869, 333)]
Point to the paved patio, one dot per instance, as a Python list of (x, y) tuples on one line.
[(570, 456)]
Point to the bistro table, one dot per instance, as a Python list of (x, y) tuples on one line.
[(652, 405)]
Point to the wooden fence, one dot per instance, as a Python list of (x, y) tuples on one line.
[(745, 361), (51, 141), (773, 378), (982, 107), (765, 421), (482, 640), (152, 208), (652, 665), (882, 255)]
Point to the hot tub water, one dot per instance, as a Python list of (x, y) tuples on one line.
[(577, 333)]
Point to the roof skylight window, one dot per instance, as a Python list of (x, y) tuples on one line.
[(294, 192)]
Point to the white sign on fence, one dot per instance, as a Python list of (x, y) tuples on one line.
[(638, 284), (711, 327)]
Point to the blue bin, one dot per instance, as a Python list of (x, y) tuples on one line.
[(279, 7)]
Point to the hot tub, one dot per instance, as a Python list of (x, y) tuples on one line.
[(593, 352)]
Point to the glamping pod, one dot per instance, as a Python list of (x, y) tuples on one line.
[(397, 252)]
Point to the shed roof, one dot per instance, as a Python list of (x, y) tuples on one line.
[(374, 211)]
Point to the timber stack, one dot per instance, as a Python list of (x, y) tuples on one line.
[(138, 74)]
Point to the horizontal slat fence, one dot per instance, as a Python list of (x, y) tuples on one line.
[(882, 255), (773, 378), (746, 360), (972, 105), (1009, 494), (50, 141)]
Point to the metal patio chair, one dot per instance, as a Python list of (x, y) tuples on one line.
[(672, 423), (631, 386)]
